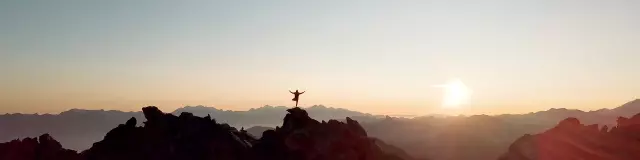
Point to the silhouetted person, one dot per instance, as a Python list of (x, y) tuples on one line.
[(296, 96)]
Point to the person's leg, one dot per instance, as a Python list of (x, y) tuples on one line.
[(296, 103)]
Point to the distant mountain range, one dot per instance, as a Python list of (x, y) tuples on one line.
[(433, 137), (269, 115), (601, 116)]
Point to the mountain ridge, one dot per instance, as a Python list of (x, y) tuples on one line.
[(633, 105), (89, 125), (165, 136), (571, 139), (77, 129)]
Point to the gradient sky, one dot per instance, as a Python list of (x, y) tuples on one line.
[(373, 56)]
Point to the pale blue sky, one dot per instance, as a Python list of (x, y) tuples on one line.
[(370, 56)]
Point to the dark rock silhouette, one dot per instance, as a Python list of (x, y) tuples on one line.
[(301, 137), (572, 140), (41, 148), (78, 129), (168, 137)]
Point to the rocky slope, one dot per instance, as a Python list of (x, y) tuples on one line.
[(571, 139), (480, 137), (41, 148), (77, 129), (167, 137)]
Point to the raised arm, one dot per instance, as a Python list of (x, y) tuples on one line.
[(290, 92), (302, 92)]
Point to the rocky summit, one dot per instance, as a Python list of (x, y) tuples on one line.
[(168, 137), (571, 139), (41, 148)]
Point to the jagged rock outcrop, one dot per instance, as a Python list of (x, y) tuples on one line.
[(41, 148), (167, 137), (188, 137), (301, 137), (572, 140)]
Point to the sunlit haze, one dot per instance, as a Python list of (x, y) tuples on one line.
[(456, 94), (380, 57)]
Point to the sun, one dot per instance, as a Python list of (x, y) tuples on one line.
[(456, 94)]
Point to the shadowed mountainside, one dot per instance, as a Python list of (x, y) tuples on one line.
[(41, 148), (168, 137), (460, 138), (571, 139), (479, 136)]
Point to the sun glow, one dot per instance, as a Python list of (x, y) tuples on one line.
[(456, 94)]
